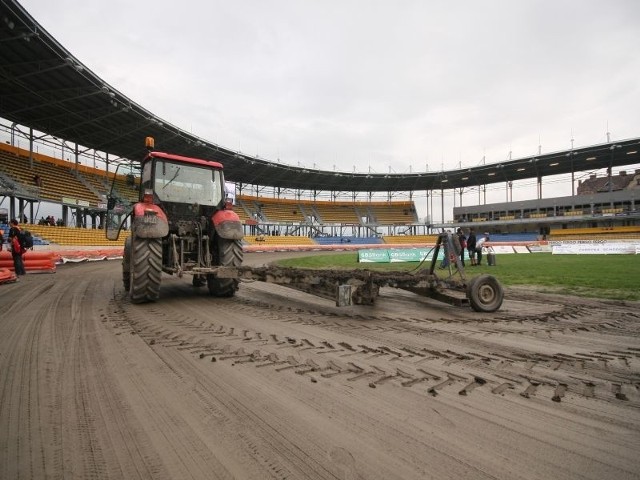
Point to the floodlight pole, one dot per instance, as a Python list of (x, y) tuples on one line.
[(610, 172), (573, 178)]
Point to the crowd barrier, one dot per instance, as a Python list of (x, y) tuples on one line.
[(7, 276), (40, 262)]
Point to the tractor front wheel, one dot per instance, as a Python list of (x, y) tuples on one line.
[(226, 253)]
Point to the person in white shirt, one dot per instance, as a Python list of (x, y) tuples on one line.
[(479, 244)]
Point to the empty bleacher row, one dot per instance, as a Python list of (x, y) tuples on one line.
[(273, 210), (126, 187), (68, 236), (595, 233), (338, 212), (50, 181), (54, 180), (266, 210), (282, 240)]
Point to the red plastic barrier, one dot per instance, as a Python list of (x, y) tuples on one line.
[(39, 262), (37, 255), (5, 260), (75, 256), (7, 276), (33, 261)]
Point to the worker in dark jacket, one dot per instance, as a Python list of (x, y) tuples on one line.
[(471, 246), (16, 247), (463, 244)]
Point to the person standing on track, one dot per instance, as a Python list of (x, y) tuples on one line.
[(16, 247), (463, 244), (471, 246), (480, 244)]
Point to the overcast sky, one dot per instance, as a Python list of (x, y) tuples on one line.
[(401, 85)]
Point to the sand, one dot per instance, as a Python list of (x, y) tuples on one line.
[(278, 384)]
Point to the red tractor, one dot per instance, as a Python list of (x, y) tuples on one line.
[(183, 223)]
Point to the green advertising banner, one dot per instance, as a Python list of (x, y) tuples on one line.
[(380, 255), (377, 255), (408, 255)]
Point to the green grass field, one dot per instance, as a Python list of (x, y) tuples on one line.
[(614, 277)]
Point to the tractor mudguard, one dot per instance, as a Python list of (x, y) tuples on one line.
[(149, 221), (228, 224)]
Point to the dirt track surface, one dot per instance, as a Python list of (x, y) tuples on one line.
[(277, 384)]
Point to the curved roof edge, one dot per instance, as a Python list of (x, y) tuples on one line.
[(46, 88)]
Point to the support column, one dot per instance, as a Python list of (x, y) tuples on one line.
[(539, 187), (65, 215), (21, 208), (30, 147)]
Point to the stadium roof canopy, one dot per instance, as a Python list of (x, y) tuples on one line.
[(44, 87)]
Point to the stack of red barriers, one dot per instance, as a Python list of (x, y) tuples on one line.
[(40, 262)]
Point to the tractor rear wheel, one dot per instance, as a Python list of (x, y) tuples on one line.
[(226, 253), (485, 293), (126, 265), (146, 269)]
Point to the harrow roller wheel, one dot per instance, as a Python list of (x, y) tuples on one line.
[(485, 293)]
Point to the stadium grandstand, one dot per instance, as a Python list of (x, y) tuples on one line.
[(609, 202), (67, 137)]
